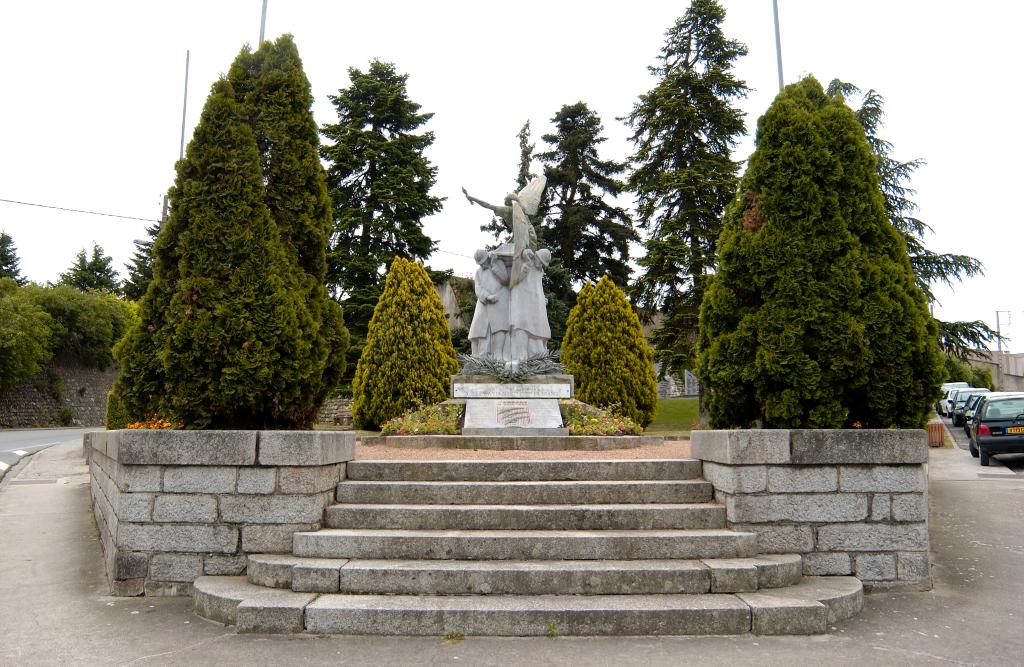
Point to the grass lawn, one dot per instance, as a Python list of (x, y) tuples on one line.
[(675, 417)]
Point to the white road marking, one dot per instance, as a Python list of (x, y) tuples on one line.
[(20, 452), (4, 467)]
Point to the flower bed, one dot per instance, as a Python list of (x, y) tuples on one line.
[(583, 419), (441, 419)]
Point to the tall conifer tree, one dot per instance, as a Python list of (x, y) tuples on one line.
[(684, 130), (379, 181), (92, 272), (237, 330), (931, 268), (276, 94), (140, 270), (9, 260), (813, 318), (588, 233)]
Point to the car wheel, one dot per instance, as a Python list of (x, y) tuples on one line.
[(972, 449), (956, 422), (983, 457)]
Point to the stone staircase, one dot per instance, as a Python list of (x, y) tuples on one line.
[(522, 548)]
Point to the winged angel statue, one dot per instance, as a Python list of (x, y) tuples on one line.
[(512, 293), (515, 214)]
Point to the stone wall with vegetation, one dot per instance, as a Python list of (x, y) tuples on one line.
[(336, 412), (174, 505), (62, 395), (851, 501)]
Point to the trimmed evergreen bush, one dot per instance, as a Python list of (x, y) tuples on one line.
[(236, 328), (116, 416), (276, 93), (219, 343), (604, 348), (813, 318), (408, 359)]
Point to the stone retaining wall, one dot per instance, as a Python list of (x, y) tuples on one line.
[(852, 502), (336, 412), (174, 505), (62, 395)]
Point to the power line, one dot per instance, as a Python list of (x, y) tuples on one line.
[(78, 210), (132, 217)]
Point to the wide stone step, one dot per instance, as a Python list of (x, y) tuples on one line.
[(524, 544), (806, 608), (451, 577), (528, 517), (524, 493), (523, 471)]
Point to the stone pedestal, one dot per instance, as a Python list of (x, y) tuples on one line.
[(529, 408)]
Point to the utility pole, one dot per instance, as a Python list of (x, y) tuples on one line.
[(181, 146), (999, 346), (263, 23), (778, 41)]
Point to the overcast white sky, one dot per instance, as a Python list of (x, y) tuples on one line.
[(91, 109)]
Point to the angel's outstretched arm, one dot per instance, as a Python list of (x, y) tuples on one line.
[(474, 200)]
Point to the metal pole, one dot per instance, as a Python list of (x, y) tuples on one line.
[(778, 42), (263, 23), (181, 147), (999, 347), (184, 105)]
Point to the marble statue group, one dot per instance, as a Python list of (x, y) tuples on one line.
[(511, 322)]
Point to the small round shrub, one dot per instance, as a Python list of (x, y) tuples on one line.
[(408, 358), (604, 348)]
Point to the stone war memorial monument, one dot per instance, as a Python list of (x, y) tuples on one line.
[(274, 527), (510, 327)]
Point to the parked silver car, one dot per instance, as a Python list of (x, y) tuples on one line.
[(957, 413)]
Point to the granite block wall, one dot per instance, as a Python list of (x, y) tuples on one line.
[(853, 502), (174, 505)]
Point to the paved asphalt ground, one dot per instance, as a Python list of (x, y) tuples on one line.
[(14, 445), (54, 610)]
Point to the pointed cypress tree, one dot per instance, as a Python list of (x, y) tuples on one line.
[(813, 318), (9, 260), (605, 350), (140, 270), (957, 338), (683, 174), (380, 182), (408, 359), (95, 272), (273, 87), (220, 340)]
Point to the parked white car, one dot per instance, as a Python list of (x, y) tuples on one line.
[(947, 405), (947, 387)]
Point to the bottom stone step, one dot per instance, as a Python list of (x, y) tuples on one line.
[(805, 608), (565, 577)]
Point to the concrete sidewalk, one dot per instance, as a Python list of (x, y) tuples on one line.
[(53, 607)]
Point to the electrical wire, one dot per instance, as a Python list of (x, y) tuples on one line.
[(78, 210), (132, 217)]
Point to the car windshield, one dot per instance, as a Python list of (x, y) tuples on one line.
[(1007, 409), (962, 397)]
